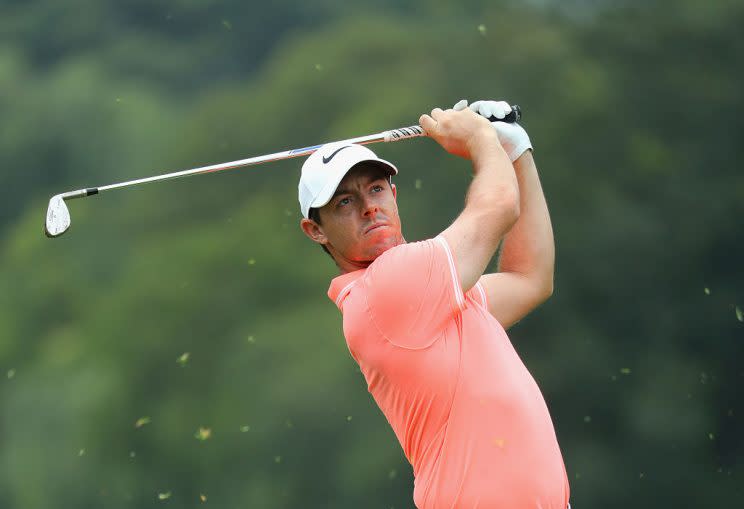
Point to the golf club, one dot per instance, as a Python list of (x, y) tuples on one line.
[(58, 216)]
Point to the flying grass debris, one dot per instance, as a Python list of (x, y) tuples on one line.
[(164, 496), (142, 421), (482, 29), (203, 434), (625, 371), (203, 497), (739, 314), (11, 373), (183, 359), (245, 429)]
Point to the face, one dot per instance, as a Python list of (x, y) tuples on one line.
[(361, 221)]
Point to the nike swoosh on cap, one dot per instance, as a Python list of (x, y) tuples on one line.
[(327, 160)]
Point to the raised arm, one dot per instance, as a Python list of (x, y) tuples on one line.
[(525, 273), (492, 201)]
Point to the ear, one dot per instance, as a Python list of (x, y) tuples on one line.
[(395, 190), (313, 231)]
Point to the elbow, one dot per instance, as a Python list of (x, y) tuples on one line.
[(546, 288), (507, 207), (548, 292), (512, 209)]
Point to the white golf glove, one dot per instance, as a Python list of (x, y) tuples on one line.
[(513, 137)]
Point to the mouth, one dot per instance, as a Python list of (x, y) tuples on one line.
[(375, 227)]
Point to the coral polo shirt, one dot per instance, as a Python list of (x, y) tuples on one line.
[(469, 416)]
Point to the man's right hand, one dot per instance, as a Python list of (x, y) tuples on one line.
[(462, 133)]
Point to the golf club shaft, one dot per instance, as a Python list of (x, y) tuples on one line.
[(402, 133)]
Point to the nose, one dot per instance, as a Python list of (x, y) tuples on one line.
[(370, 208)]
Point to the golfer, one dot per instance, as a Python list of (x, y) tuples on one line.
[(426, 324)]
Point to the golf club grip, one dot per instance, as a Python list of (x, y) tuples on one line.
[(515, 115), (415, 131)]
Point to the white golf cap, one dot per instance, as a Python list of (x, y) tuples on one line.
[(324, 170)]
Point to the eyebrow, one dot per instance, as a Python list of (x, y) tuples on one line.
[(340, 191)]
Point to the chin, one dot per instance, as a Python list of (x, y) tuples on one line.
[(381, 247)]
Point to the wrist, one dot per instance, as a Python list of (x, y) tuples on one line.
[(525, 159), (484, 144), (513, 138)]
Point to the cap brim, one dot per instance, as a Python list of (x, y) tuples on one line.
[(327, 193)]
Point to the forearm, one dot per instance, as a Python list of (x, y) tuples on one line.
[(492, 201), (529, 248), (494, 188)]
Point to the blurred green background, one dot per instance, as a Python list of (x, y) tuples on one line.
[(177, 342)]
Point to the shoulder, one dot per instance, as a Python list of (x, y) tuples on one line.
[(410, 292)]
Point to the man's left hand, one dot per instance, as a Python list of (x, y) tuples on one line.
[(513, 137)]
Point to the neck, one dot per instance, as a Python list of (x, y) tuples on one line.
[(346, 265)]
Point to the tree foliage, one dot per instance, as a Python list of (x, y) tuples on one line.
[(178, 343)]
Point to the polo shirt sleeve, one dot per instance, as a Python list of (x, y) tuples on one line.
[(413, 291), (478, 294)]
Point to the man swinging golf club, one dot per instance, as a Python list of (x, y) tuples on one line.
[(427, 326)]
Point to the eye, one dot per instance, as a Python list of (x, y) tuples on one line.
[(343, 201), (377, 188)]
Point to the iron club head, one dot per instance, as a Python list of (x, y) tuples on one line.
[(57, 217)]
